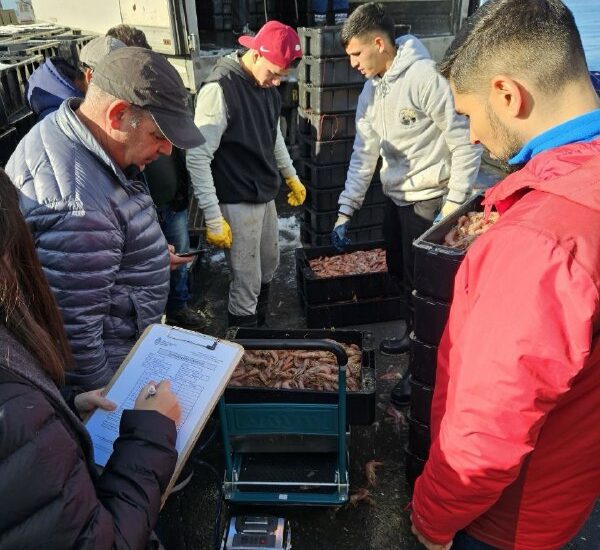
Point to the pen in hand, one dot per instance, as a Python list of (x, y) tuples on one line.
[(151, 391), (159, 397)]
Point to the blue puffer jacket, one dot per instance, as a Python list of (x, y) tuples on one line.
[(97, 237)]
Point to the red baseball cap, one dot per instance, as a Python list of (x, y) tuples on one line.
[(276, 42)]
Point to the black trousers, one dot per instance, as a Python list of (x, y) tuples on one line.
[(401, 226)]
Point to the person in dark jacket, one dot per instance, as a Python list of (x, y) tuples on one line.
[(56, 79), (93, 221), (51, 83), (169, 184), (53, 496)]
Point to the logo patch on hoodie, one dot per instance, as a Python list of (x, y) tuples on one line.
[(408, 117)]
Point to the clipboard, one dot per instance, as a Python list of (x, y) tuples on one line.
[(199, 367)]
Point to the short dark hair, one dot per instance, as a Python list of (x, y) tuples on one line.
[(368, 19), (130, 36), (66, 69), (537, 39)]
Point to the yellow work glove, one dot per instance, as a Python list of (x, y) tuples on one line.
[(297, 193), (218, 232), (447, 208)]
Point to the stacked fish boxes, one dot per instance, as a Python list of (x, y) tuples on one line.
[(436, 265), (328, 94), (20, 56)]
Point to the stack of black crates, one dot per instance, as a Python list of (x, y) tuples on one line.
[(328, 94), (19, 57), (217, 15), (435, 268)]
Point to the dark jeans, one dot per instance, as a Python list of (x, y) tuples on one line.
[(320, 6), (175, 228), (463, 541), (401, 226), (240, 14)]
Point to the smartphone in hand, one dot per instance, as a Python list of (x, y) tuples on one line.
[(195, 252)]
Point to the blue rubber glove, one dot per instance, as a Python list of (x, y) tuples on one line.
[(339, 238)]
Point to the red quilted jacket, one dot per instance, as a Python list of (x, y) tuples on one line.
[(515, 456)]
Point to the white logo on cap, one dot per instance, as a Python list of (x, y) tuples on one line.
[(263, 49), (297, 48)]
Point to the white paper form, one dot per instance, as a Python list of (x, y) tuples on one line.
[(197, 373)]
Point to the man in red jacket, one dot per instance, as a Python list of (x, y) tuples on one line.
[(515, 455)]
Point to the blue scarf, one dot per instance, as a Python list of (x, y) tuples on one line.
[(582, 128)]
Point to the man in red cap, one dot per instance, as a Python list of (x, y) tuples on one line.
[(236, 172)]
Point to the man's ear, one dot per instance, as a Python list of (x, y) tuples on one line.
[(507, 96), (379, 42), (115, 114)]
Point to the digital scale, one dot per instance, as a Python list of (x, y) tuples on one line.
[(257, 532)]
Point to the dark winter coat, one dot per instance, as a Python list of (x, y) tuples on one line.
[(49, 85), (52, 496)]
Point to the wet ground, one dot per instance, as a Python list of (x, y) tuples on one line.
[(380, 522)]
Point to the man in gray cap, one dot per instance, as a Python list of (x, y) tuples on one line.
[(92, 219), (91, 54)]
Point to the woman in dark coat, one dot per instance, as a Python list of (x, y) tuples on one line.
[(51, 493)]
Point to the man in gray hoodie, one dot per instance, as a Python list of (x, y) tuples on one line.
[(405, 114)]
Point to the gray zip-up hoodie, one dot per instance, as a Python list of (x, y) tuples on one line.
[(407, 117)]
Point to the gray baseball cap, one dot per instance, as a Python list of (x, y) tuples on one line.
[(97, 48), (146, 79)]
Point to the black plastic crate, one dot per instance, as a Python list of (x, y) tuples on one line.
[(321, 177), (71, 44), (288, 90), (414, 467), (13, 78), (420, 401), (327, 199), (331, 176), (328, 71), (321, 41), (321, 290), (430, 318), (423, 361), (218, 22), (436, 264), (324, 127), (355, 312), (329, 99), (210, 7), (419, 438), (326, 152), (362, 235), (360, 405), (8, 143), (366, 216), (259, 6), (28, 48), (256, 20), (23, 121)]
